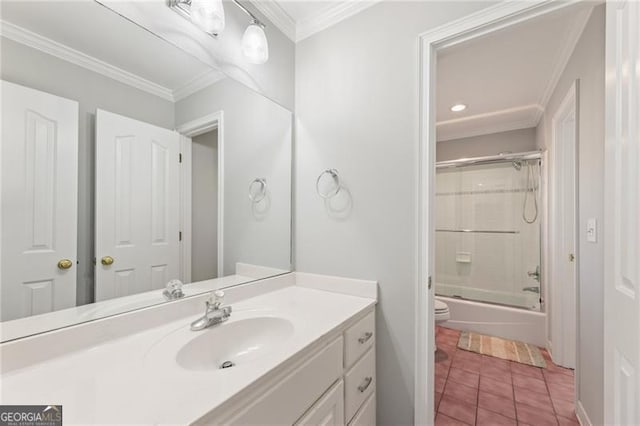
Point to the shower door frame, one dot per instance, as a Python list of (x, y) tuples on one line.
[(540, 156), (491, 19)]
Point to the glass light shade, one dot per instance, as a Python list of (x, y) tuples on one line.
[(254, 44), (208, 15)]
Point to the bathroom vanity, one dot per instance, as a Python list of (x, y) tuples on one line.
[(297, 349)]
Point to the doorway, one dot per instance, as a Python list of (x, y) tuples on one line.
[(499, 20), (202, 197), (204, 207)]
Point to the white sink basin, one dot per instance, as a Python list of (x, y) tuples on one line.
[(238, 342)]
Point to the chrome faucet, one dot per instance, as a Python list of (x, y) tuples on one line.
[(173, 290), (213, 314)]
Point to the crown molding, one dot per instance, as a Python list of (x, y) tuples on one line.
[(331, 16), (505, 120), (302, 29), (563, 56), (46, 45), (278, 16), (205, 79)]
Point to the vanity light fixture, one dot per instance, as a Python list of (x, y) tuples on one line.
[(254, 43), (208, 15), (458, 107)]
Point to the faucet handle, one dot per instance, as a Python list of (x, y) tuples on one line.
[(216, 299), (173, 290)]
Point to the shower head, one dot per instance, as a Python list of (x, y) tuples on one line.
[(517, 164)]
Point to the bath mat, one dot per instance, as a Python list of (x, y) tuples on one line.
[(511, 350)]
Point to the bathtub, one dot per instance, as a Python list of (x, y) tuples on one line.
[(524, 300), (495, 320)]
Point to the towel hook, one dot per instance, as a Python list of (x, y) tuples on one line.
[(258, 193), (336, 179)]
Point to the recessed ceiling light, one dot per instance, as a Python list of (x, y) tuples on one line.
[(458, 107)]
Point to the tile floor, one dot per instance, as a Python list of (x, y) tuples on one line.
[(474, 389)]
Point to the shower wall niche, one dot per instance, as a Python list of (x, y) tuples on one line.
[(488, 233)]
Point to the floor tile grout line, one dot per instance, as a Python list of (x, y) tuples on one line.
[(448, 382)]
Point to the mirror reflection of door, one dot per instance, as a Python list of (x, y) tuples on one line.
[(39, 201), (204, 212), (137, 206)]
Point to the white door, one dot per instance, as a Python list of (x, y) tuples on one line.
[(563, 232), (622, 214), (39, 202), (137, 206)]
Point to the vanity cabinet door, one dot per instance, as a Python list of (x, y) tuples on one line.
[(367, 414), (329, 410)]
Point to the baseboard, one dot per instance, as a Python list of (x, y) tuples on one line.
[(582, 416)]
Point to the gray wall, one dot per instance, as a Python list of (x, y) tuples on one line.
[(29, 67), (521, 140), (256, 143), (587, 66), (357, 105), (204, 202)]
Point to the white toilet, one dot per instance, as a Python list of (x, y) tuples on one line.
[(442, 311)]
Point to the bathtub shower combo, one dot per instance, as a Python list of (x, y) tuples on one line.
[(488, 231)]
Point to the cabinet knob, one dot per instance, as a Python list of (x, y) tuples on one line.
[(366, 336)]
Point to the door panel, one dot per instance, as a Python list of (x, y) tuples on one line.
[(137, 206), (39, 195), (622, 204)]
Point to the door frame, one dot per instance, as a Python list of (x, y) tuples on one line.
[(564, 299), (500, 16), (189, 130), (621, 234)]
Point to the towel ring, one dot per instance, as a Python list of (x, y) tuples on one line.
[(336, 178), (257, 194)]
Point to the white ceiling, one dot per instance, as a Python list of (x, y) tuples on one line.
[(505, 78), (112, 44), (299, 19)]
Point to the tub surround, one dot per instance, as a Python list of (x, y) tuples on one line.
[(127, 368)]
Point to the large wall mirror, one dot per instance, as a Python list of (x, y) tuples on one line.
[(127, 164)]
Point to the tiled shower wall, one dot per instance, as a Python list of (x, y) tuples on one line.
[(488, 266)]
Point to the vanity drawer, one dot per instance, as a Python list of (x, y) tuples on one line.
[(360, 382), (367, 414), (358, 338)]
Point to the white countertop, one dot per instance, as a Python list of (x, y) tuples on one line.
[(137, 380)]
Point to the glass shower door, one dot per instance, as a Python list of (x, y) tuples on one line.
[(488, 233)]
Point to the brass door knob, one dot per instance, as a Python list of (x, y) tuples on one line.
[(107, 260), (65, 264)]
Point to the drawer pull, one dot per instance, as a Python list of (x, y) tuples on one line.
[(366, 336), (365, 384)]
